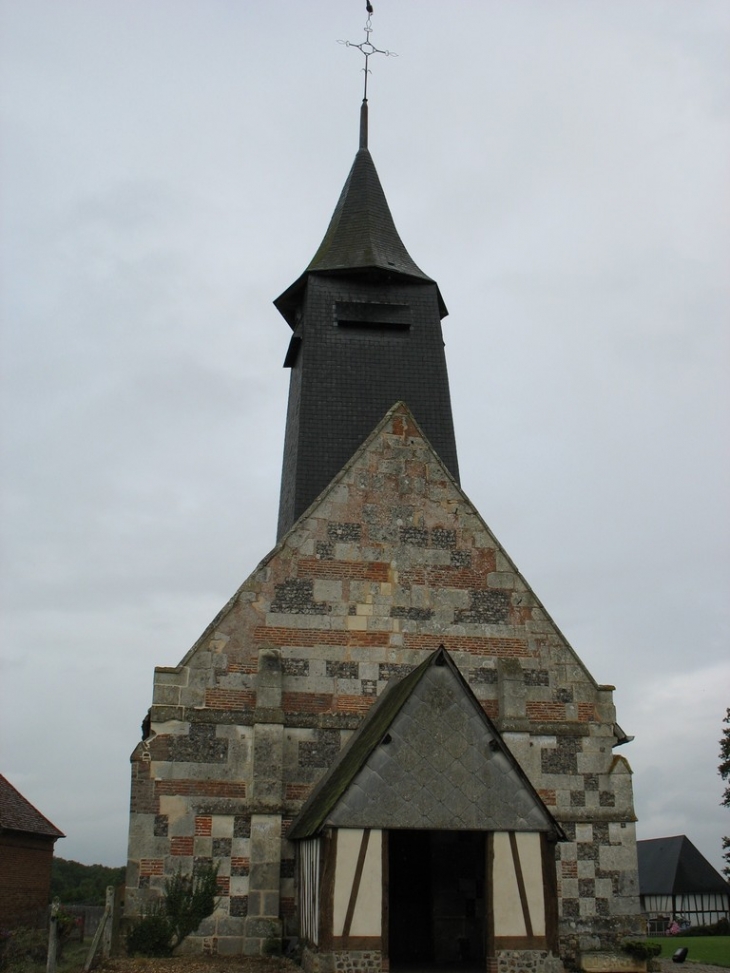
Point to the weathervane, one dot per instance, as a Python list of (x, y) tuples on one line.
[(367, 47)]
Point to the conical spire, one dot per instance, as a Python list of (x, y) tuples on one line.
[(366, 325), (361, 235)]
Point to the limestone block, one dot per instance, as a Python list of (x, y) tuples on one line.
[(606, 962), (222, 826), (141, 824), (604, 888), (240, 847), (166, 695), (171, 677), (625, 905), (265, 838), (327, 590), (203, 847), (622, 833), (570, 888), (263, 876), (230, 945), (587, 907), (239, 885), (268, 760), (149, 846), (268, 679), (586, 868)]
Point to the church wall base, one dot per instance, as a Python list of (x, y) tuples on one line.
[(343, 961), (524, 961)]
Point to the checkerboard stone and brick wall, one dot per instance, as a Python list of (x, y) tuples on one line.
[(389, 563)]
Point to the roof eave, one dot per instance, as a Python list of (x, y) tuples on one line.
[(292, 298)]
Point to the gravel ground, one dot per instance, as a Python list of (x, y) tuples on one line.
[(200, 964), (242, 964)]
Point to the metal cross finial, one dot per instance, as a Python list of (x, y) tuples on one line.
[(367, 47)]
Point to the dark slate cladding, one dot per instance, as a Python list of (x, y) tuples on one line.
[(368, 326)]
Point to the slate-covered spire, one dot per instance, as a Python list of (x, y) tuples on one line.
[(366, 324), (361, 235)]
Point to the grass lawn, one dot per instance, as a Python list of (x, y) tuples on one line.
[(702, 949)]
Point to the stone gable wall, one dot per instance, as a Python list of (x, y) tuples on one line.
[(390, 563)]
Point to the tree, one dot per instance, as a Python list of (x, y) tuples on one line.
[(77, 884), (724, 771)]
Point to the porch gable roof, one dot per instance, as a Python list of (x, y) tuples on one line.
[(426, 756)]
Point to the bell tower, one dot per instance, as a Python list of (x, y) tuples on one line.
[(366, 333)]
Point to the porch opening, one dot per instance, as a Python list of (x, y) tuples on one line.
[(436, 907)]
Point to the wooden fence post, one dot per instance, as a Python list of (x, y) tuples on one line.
[(53, 937), (95, 941), (111, 930)]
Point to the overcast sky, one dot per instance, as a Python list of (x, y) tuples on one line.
[(169, 167)]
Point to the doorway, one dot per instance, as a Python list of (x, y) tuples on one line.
[(436, 900)]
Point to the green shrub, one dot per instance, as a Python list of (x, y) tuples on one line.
[(149, 936), (23, 948), (187, 900), (719, 928), (641, 948)]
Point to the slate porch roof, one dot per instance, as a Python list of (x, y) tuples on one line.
[(426, 756), (673, 865), (18, 814)]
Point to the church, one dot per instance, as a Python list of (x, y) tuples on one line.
[(383, 740)]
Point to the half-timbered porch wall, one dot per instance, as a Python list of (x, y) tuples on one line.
[(351, 927)]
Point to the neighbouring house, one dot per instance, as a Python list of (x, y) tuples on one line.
[(383, 740), (26, 854), (677, 881)]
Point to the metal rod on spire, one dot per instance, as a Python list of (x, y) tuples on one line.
[(367, 48)]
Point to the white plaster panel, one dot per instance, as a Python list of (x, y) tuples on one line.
[(530, 852), (348, 848), (508, 919), (367, 918)]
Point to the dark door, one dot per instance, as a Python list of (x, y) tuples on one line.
[(436, 898)]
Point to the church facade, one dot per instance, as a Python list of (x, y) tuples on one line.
[(383, 739)]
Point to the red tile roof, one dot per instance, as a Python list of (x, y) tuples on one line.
[(17, 814)]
